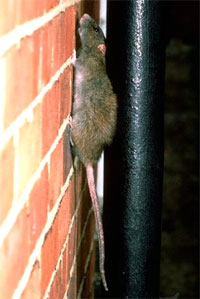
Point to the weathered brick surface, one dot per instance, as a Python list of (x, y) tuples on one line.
[(62, 276), (32, 63), (21, 78), (55, 174), (38, 207), (21, 11), (88, 290), (56, 236), (14, 254), (6, 175), (32, 290), (84, 250), (28, 150), (45, 208)]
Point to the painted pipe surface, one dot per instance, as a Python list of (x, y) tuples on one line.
[(134, 163)]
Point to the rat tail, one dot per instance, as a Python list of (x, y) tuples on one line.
[(99, 227)]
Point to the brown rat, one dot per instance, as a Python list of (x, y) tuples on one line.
[(94, 112)]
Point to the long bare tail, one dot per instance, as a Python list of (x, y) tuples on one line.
[(99, 227)]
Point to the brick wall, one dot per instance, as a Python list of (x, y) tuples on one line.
[(46, 219)]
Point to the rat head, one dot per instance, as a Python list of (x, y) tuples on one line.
[(91, 34)]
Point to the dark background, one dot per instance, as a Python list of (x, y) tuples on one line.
[(180, 224)]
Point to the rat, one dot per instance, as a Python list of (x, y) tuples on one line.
[(94, 113)]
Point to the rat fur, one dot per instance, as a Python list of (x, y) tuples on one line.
[(94, 113)]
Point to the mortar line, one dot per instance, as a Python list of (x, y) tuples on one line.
[(25, 114), (85, 270), (13, 37), (75, 257), (35, 255), (18, 205), (64, 247)]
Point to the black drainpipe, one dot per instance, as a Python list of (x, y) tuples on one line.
[(134, 164)]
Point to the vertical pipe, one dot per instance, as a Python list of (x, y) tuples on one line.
[(134, 164)]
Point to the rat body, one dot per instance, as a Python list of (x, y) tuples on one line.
[(94, 112)]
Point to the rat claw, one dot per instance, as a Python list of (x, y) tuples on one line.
[(71, 126), (72, 144), (70, 122), (74, 57)]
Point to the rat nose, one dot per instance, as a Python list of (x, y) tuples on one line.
[(84, 17)]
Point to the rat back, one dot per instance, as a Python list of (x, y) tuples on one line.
[(94, 108), (95, 104)]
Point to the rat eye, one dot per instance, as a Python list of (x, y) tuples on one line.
[(96, 29)]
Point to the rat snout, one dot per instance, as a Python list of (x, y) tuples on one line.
[(84, 17)]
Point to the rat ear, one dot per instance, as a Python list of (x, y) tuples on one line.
[(102, 48)]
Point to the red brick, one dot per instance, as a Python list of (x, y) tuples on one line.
[(9, 8), (66, 80), (56, 174), (73, 289), (36, 57), (49, 4), (21, 79), (29, 149), (66, 212), (30, 10), (56, 106), (48, 258), (46, 52), (6, 179), (30, 67), (76, 278), (84, 249), (17, 12), (35, 8), (69, 38), (32, 289), (83, 210), (56, 44), (50, 116), (58, 286), (4, 12), (63, 41), (88, 289), (14, 254), (38, 203), (56, 236), (61, 279)]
